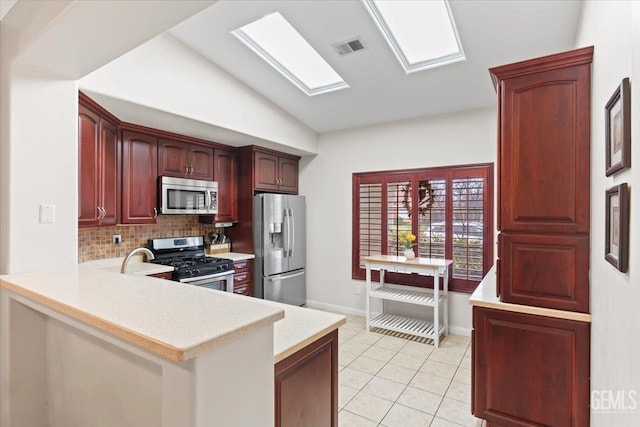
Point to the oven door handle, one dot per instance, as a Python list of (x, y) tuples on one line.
[(204, 279)]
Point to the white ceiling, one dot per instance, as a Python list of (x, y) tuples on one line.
[(492, 33)]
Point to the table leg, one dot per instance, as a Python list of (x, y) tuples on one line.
[(367, 289), (445, 286), (436, 307)]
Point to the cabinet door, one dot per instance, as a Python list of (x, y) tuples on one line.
[(172, 158), (109, 172), (88, 160), (265, 171), (530, 370), (139, 178), (200, 162), (544, 151), (225, 175), (288, 175), (549, 271), (306, 385)]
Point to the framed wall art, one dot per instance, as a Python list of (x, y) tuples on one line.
[(618, 129), (616, 249)]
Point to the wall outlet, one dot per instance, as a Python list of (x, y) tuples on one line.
[(357, 288), (117, 239)]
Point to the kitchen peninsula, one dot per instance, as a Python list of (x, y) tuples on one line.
[(91, 347)]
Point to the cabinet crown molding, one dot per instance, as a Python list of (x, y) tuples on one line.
[(545, 63)]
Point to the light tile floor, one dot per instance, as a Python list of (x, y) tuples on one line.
[(392, 381)]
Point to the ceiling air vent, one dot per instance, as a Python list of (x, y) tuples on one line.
[(349, 46)]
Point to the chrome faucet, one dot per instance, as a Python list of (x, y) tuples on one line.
[(145, 251)]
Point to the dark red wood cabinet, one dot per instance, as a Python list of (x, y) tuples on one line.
[(139, 178), (275, 172), (98, 169), (185, 160), (306, 385), (243, 277), (225, 173), (529, 370), (544, 189), (165, 276)]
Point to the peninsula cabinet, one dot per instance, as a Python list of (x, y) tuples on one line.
[(544, 162), (98, 173), (529, 370), (184, 160), (275, 172), (306, 385), (139, 178)]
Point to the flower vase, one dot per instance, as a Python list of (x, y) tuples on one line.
[(409, 254)]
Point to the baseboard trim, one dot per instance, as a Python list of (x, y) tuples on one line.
[(335, 308), (458, 330), (455, 330)]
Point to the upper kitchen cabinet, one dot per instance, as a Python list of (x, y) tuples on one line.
[(544, 143), (225, 174), (272, 171), (139, 178), (544, 107), (98, 161), (185, 160)]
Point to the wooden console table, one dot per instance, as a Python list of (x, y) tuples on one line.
[(409, 294)]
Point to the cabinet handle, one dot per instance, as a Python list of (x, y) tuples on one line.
[(104, 212), (186, 169), (155, 213), (99, 212), (190, 170)]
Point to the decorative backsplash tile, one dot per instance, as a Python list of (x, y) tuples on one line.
[(97, 242)]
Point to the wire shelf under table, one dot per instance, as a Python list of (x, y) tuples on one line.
[(403, 295), (407, 325)]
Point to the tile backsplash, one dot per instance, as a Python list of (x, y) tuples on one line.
[(97, 242)]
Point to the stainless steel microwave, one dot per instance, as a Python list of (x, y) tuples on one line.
[(188, 196)]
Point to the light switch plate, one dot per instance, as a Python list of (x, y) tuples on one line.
[(47, 214)]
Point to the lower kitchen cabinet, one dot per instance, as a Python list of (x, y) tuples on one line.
[(306, 385), (167, 276), (243, 277), (529, 370)]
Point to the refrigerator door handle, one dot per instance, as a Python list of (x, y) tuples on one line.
[(285, 276), (292, 232), (287, 231)]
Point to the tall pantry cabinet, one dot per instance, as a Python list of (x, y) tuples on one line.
[(530, 350)]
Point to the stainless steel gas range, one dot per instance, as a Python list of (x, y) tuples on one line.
[(191, 265)]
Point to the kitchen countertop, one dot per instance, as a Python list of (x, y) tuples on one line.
[(485, 296), (233, 256), (136, 266), (167, 318), (300, 327)]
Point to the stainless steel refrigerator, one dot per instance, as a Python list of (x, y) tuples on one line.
[(280, 248)]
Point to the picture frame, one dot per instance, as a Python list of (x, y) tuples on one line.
[(618, 129), (616, 250)]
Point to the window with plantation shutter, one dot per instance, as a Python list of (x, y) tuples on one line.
[(449, 209)]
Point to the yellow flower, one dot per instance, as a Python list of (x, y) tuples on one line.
[(407, 238)]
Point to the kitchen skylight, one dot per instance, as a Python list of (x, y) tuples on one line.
[(422, 34), (273, 39)]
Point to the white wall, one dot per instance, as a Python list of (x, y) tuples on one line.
[(166, 75), (614, 29), (453, 139)]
